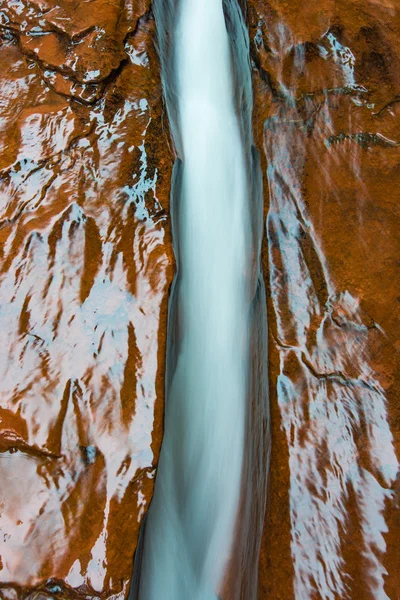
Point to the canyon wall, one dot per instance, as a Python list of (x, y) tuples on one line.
[(86, 264), (326, 83)]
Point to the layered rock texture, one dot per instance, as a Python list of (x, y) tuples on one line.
[(86, 264)]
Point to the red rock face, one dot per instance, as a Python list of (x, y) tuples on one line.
[(86, 263), (326, 82), (85, 268)]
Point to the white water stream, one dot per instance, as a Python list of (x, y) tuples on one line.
[(191, 523)]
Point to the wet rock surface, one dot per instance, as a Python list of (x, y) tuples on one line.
[(326, 83), (86, 263), (85, 266)]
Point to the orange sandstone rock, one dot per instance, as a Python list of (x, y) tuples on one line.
[(86, 263), (326, 83)]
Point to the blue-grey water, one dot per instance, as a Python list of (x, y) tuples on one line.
[(188, 544)]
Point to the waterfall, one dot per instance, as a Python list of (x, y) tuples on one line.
[(187, 543)]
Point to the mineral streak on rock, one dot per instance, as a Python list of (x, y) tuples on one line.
[(326, 78), (86, 263)]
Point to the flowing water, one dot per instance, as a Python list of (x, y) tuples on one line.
[(86, 265), (189, 530)]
